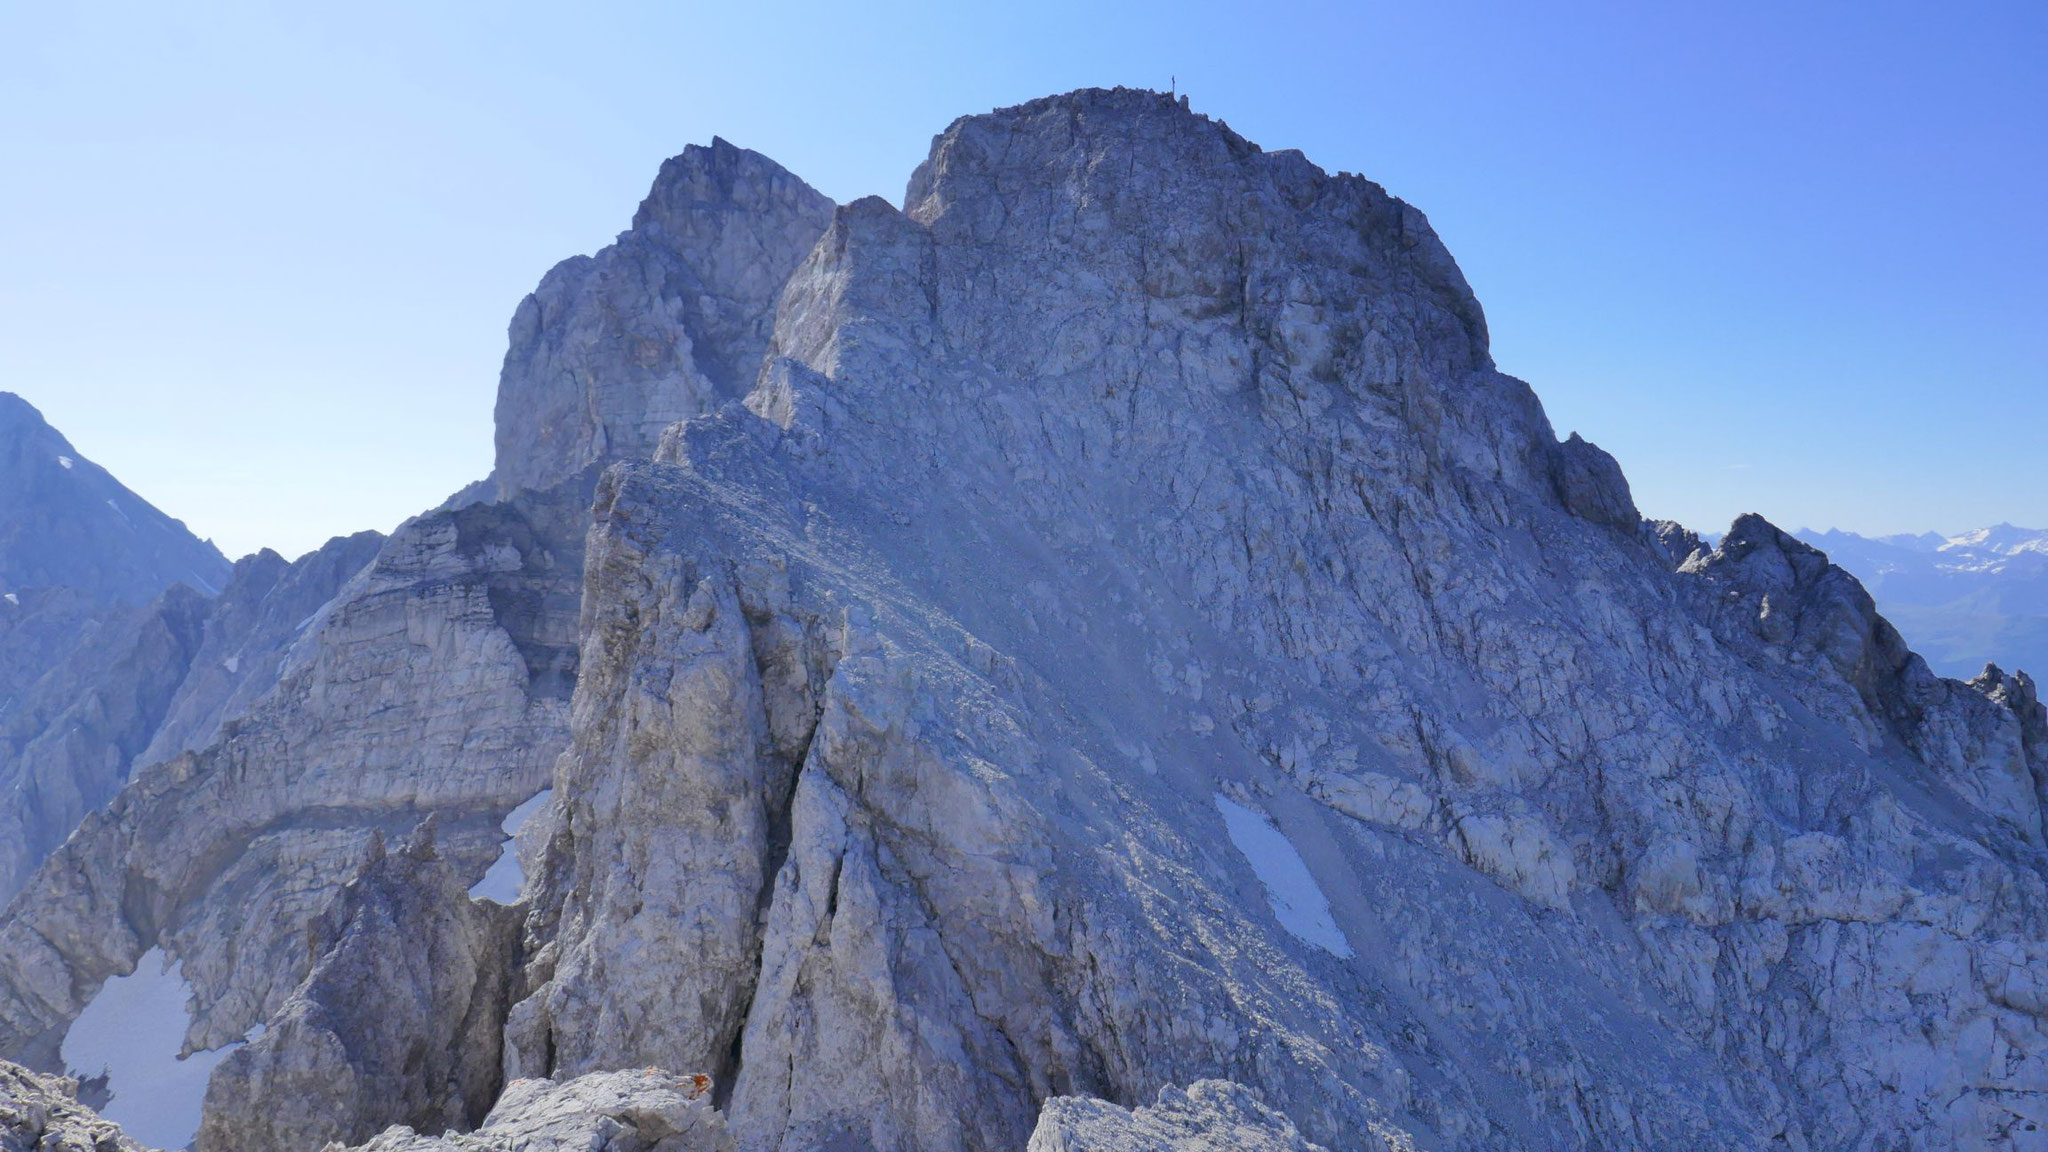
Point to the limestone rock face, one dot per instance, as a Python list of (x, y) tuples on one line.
[(1132, 476), (1124, 634), (436, 680), (398, 1022), (641, 1110), (668, 322), (140, 685), (1210, 1116), (42, 1114), (268, 604)]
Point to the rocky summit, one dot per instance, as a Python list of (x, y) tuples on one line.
[(1095, 658)]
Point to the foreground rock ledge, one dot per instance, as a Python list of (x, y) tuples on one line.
[(1210, 1116), (42, 1114), (647, 1110)]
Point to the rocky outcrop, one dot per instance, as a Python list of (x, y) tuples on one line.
[(1129, 635), (1130, 467), (66, 523), (268, 605), (398, 1022), (1210, 1116), (1780, 602), (42, 1114), (668, 322), (642, 1110)]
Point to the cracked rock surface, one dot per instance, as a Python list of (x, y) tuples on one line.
[(42, 1114), (1105, 626), (1129, 467), (639, 1110), (1210, 1116)]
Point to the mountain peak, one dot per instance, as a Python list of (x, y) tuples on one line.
[(65, 522)]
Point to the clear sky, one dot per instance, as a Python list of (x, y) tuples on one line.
[(1778, 257)]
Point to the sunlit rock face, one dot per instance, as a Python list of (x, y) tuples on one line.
[(1129, 466), (668, 322), (1125, 668), (435, 680)]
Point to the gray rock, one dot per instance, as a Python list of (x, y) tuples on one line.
[(668, 322), (1131, 467), (102, 598), (1129, 635), (642, 1110), (64, 522), (68, 742), (398, 1022), (140, 685), (42, 1114), (1210, 1116)]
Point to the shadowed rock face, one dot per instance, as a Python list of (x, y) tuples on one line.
[(102, 602), (1131, 477), (139, 685), (399, 1018), (64, 522), (435, 680), (640, 1110)]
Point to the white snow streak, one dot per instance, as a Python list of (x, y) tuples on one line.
[(506, 877), (1290, 888), (65, 461), (133, 1030)]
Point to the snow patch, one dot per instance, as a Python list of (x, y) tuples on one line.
[(505, 878), (1291, 889), (11, 598), (133, 1029), (66, 461), (233, 664)]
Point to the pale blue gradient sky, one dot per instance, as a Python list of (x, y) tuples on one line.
[(1786, 258)]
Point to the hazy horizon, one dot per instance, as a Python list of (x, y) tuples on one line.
[(1785, 262)]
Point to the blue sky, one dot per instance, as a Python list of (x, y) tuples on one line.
[(1784, 258)]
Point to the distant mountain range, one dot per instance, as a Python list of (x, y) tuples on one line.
[(1960, 601)]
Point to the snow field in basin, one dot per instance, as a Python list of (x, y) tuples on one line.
[(506, 877), (133, 1030), (1297, 901)]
